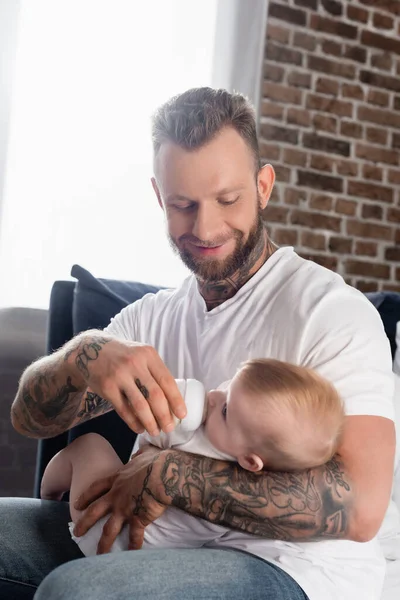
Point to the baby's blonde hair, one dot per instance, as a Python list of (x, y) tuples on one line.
[(302, 411)]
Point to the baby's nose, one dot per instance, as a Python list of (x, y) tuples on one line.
[(212, 398)]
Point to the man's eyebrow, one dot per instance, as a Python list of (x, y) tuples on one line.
[(218, 194)]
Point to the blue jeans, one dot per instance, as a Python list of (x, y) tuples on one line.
[(36, 550)]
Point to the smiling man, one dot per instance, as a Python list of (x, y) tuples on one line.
[(245, 299)]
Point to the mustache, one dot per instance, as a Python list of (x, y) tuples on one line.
[(187, 237)]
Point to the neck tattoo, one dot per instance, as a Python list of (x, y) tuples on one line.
[(217, 292)]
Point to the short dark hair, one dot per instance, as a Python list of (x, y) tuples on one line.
[(195, 117)]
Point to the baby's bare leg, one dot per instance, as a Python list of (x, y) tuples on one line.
[(87, 459)]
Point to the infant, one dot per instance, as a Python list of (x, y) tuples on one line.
[(272, 415)]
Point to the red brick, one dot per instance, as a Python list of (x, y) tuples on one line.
[(382, 61), (279, 134), (321, 202), (275, 214), (333, 7), (355, 13), (366, 248), (376, 154), (277, 33), (397, 236), (377, 97), (396, 140), (367, 269), (372, 211), (393, 215), (304, 40), (287, 14), (325, 123), (327, 86), (315, 220), (393, 254), (273, 72), (396, 102), (299, 79), (398, 274), (345, 207), (331, 47), (391, 6), (291, 156), (298, 116), (391, 287), (356, 53), (366, 286), (373, 191), (282, 173), (368, 230), (329, 262), (275, 197), (313, 240), (381, 21), (372, 172), (282, 93), (330, 105), (312, 4), (270, 151), (321, 162), (347, 167), (286, 237), (335, 27), (326, 144), (283, 54), (340, 245), (272, 110), (294, 196), (394, 176), (378, 116), (376, 135), (319, 181), (381, 81), (376, 40), (350, 90), (351, 129), (331, 67)]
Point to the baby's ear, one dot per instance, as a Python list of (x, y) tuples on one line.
[(250, 462)]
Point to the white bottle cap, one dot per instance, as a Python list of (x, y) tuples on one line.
[(194, 395)]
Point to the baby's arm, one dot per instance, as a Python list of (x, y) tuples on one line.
[(87, 459)]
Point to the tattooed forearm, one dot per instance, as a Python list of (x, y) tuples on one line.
[(52, 392), (288, 506)]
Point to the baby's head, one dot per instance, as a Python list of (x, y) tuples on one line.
[(275, 415)]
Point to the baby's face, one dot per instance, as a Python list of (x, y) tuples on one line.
[(228, 417)]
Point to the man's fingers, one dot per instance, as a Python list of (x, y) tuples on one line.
[(169, 388), (138, 395), (111, 530), (136, 533), (95, 490), (99, 508)]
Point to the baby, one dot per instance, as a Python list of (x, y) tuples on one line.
[(271, 415)]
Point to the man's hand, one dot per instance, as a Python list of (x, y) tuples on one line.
[(133, 379), (129, 496)]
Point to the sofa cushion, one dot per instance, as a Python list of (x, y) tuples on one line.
[(388, 305), (96, 301)]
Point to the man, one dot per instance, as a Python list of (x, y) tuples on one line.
[(245, 299)]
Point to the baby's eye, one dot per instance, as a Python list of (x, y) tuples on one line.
[(224, 411)]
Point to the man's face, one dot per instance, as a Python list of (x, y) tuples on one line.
[(212, 203)]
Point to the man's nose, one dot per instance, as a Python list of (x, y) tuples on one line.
[(207, 224)]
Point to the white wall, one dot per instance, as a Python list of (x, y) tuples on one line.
[(88, 75), (9, 12)]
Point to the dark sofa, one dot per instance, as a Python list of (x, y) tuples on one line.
[(90, 303)]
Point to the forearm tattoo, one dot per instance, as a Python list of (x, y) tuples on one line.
[(46, 406), (86, 353), (286, 506)]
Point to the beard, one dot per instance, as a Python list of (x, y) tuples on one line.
[(245, 252)]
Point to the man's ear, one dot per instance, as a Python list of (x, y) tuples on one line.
[(265, 183), (250, 462), (157, 192)]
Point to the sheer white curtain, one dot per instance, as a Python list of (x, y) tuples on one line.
[(89, 73)]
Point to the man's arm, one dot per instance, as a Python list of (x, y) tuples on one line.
[(52, 395), (344, 499)]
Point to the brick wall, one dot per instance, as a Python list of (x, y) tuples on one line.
[(330, 125)]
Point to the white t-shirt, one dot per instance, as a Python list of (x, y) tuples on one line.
[(297, 311)]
